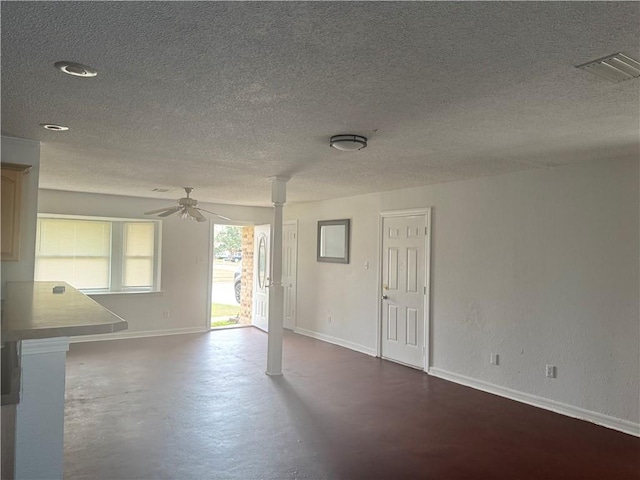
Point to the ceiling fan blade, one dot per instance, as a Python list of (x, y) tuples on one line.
[(214, 213), (170, 211), (153, 212), (196, 214)]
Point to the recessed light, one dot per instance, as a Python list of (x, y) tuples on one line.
[(76, 69), (615, 68), (348, 143), (53, 127)]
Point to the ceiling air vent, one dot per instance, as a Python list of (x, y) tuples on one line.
[(615, 68)]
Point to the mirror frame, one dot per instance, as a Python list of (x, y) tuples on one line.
[(347, 233)]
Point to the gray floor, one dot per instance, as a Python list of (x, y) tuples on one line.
[(187, 406), (201, 407)]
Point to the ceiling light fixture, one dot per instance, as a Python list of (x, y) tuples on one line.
[(76, 69), (53, 127), (614, 68), (348, 143)]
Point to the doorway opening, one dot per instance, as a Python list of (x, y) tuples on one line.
[(232, 276), (240, 278)]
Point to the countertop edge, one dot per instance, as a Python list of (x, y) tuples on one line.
[(71, 331)]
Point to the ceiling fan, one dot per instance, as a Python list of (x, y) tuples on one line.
[(186, 208)]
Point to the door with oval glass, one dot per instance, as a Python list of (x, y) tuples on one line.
[(261, 254)]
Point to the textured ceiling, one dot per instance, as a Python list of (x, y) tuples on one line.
[(220, 96)]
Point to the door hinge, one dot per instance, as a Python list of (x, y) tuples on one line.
[(425, 230), (425, 289)]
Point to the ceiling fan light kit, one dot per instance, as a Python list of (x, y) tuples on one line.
[(348, 143), (186, 209)]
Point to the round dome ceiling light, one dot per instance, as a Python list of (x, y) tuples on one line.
[(53, 127), (75, 69), (348, 143)]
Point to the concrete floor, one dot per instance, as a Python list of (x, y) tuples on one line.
[(201, 407)]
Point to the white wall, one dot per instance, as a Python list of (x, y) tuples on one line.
[(541, 267), (185, 260), (24, 152)]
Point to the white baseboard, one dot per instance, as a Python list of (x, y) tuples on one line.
[(336, 341), (594, 417), (147, 333)]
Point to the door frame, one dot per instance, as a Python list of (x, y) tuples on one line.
[(426, 212)]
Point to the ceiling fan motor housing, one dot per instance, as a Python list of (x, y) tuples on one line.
[(187, 202)]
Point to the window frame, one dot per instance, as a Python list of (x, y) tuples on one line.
[(117, 258)]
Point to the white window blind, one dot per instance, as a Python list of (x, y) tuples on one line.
[(97, 255), (138, 255), (78, 252)]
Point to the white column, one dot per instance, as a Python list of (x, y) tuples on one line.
[(276, 290), (40, 413)]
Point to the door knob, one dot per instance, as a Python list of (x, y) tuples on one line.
[(384, 297)]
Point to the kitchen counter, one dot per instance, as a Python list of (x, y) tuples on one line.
[(36, 326), (33, 311)]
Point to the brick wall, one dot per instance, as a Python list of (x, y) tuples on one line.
[(246, 297)]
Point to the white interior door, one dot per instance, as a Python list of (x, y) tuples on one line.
[(403, 289), (289, 272), (261, 255)]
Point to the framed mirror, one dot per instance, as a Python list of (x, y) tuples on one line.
[(333, 241)]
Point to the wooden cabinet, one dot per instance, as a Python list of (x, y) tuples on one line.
[(11, 191)]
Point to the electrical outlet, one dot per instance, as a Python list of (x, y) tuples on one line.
[(495, 359), (166, 314), (550, 371)]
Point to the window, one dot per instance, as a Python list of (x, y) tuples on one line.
[(99, 255), (138, 254)]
